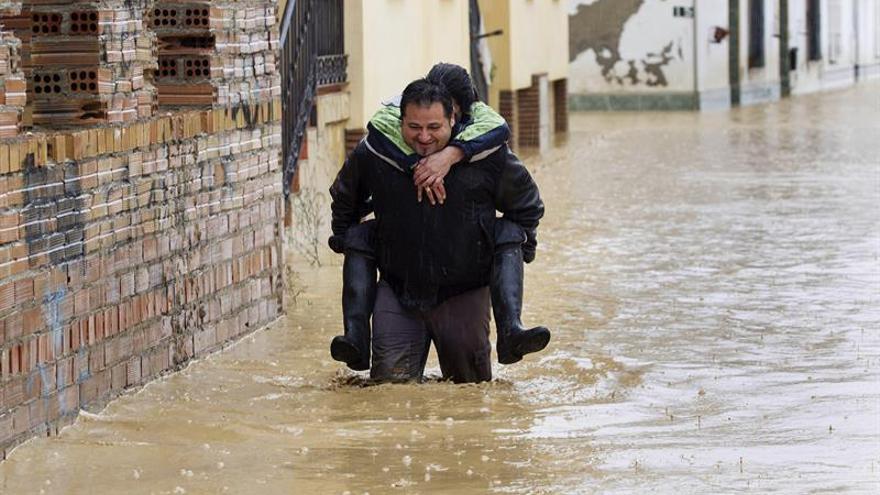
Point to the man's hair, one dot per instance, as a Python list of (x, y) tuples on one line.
[(425, 93), (457, 81)]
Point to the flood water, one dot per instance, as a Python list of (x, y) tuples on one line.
[(713, 286)]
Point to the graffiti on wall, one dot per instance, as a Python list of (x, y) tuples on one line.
[(599, 26)]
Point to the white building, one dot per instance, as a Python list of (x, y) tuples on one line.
[(703, 54)]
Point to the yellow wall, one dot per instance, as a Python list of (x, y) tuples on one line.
[(392, 42), (282, 4), (496, 15), (535, 40)]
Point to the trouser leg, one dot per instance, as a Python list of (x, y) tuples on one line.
[(400, 340), (460, 329)]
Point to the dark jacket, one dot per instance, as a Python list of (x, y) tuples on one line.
[(430, 253)]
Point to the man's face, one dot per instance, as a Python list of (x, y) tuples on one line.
[(425, 128)]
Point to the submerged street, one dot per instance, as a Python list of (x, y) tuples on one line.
[(713, 286)]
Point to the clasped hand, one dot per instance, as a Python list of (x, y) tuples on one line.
[(430, 171)]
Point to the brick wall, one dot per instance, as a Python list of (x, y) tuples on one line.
[(528, 116), (560, 106), (220, 51), (128, 249), (507, 109), (522, 110), (12, 81), (352, 138), (84, 61)]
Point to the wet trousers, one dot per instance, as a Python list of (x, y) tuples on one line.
[(459, 328)]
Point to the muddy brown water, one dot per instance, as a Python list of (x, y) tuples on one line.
[(712, 281)]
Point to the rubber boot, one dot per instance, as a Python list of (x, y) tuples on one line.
[(358, 297), (506, 285)]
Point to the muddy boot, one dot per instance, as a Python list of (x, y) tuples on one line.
[(506, 286), (358, 297)]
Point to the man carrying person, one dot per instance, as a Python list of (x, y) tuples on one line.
[(435, 262)]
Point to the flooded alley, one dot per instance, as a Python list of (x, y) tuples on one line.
[(713, 286)]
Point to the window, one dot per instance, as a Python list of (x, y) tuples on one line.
[(835, 37), (756, 33), (814, 39)]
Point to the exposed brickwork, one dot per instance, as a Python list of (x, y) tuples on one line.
[(522, 110), (13, 96), (528, 116), (352, 138), (85, 61), (215, 52), (127, 250), (560, 106), (12, 80), (507, 109)]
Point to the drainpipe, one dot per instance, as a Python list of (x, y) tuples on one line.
[(855, 37), (784, 62), (696, 62)]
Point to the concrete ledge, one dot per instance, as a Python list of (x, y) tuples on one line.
[(633, 101), (869, 71), (838, 77), (715, 99), (757, 93)]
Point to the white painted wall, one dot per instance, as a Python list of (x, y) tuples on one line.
[(867, 20), (645, 33), (838, 44), (713, 65)]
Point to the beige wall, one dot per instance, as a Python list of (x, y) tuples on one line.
[(282, 5), (392, 42), (535, 41), (496, 15)]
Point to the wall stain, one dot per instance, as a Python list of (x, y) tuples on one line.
[(599, 27), (655, 69)]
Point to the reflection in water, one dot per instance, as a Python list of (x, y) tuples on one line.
[(713, 285)]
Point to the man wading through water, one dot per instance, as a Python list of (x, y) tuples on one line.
[(435, 262)]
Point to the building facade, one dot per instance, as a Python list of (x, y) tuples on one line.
[(528, 68), (652, 54)]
